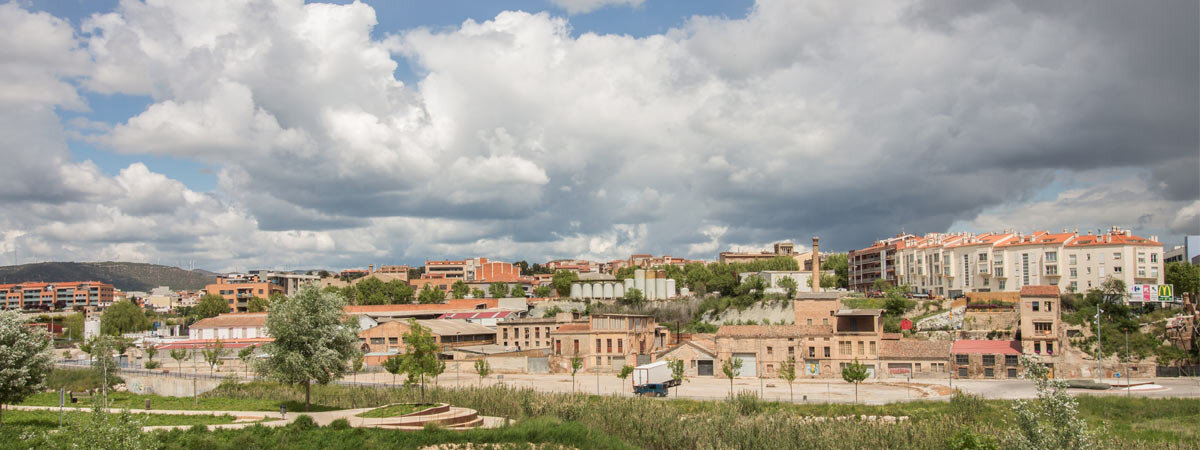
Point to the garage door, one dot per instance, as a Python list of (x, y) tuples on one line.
[(899, 370), (704, 368), (748, 366)]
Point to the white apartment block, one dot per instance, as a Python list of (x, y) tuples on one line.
[(952, 264)]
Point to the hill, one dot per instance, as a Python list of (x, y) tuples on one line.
[(125, 276)]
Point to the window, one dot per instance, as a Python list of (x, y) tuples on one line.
[(505, 333), (989, 372), (608, 347), (983, 257), (1052, 257), (1071, 259), (770, 350), (1037, 347), (1035, 306), (1010, 360), (812, 352), (1116, 256), (1012, 373), (1049, 306), (1050, 348), (1075, 285), (537, 333), (1154, 257), (872, 348), (1074, 272), (861, 348), (1141, 257), (825, 321), (1025, 269), (1000, 285), (577, 346), (597, 345), (791, 352), (989, 360), (826, 352), (1100, 271), (393, 340), (999, 271), (376, 341), (962, 360), (620, 346), (516, 333), (844, 348), (962, 372)]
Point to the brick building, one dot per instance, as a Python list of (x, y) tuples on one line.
[(529, 333), (608, 341), (986, 359), (386, 339), (901, 358), (59, 295), (239, 289), (699, 355)]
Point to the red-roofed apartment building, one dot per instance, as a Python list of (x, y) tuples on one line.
[(952, 264), (61, 295)]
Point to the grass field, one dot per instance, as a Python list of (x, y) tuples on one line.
[(207, 402), (396, 410), (49, 419)]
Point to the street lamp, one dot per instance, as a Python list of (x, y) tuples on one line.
[(1099, 345)]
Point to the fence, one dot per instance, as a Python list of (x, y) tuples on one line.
[(1178, 371)]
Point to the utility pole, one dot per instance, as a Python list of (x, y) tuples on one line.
[(1127, 374), (1099, 345)]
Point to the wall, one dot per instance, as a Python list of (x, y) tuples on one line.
[(773, 311), (168, 385)]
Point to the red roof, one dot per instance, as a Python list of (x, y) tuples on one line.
[(969, 346), (478, 315), (458, 303), (1039, 291), (574, 327)]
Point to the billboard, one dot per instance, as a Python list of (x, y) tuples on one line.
[(1151, 293)]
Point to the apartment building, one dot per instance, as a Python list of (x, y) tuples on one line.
[(645, 261), (1041, 321), (238, 289), (290, 282), (59, 295), (952, 264), (460, 269), (608, 342), (573, 265), (778, 249)]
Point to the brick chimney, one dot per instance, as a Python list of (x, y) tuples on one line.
[(816, 265), (370, 268)]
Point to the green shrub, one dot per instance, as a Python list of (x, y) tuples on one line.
[(339, 424), (304, 422), (79, 380), (965, 439), (747, 403)]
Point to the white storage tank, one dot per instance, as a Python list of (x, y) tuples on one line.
[(576, 291), (619, 289), (628, 284), (670, 288), (651, 284), (608, 290), (587, 290), (660, 288), (639, 280)]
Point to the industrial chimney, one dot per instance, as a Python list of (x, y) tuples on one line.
[(816, 265)]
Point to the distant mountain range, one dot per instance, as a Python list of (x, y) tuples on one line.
[(125, 276)]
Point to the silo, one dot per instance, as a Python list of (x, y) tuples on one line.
[(608, 290), (651, 284), (576, 291), (660, 288), (619, 288), (639, 280), (587, 290), (670, 288), (628, 284)]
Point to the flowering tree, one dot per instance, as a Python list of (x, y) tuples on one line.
[(313, 340), (1052, 420), (25, 356)]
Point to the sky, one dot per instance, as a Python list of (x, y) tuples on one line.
[(238, 135)]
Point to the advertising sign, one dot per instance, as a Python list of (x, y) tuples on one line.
[(1151, 293)]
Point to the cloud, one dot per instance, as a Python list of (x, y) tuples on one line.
[(522, 139), (586, 6)]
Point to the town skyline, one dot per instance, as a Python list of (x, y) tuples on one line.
[(297, 135)]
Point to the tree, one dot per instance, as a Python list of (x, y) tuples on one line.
[(421, 357), (789, 284), (101, 349), (393, 365), (1184, 277), (625, 372), (247, 355), (562, 282), (677, 373), (633, 296), (213, 355), (398, 292), (257, 305), (551, 312), (518, 291), (731, 368), (151, 352), (838, 263), (542, 291), (459, 289), (179, 355), (430, 294), (1114, 291), (483, 369), (576, 364), (1050, 422), (313, 340), (74, 326), (753, 286), (123, 317), (25, 359), (478, 293), (787, 371), (854, 372), (498, 290), (211, 305)]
